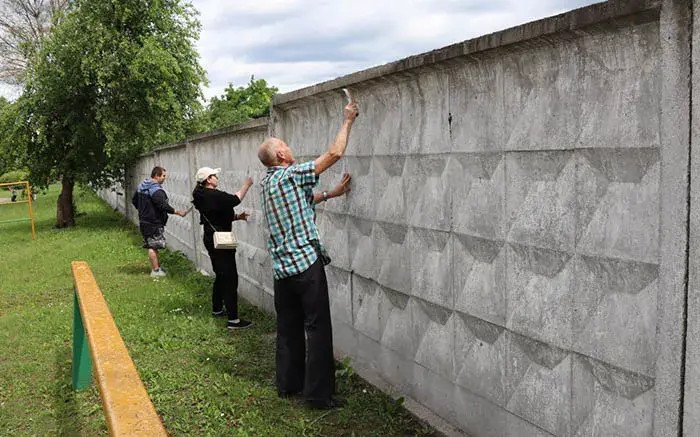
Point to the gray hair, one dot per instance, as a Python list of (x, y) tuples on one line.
[(267, 153)]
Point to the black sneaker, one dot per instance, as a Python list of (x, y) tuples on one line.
[(284, 394), (238, 325), (219, 313)]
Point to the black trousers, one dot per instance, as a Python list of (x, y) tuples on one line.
[(302, 306), (225, 291)]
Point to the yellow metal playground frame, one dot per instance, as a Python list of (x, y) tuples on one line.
[(28, 202)]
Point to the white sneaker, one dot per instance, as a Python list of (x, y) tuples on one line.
[(157, 273)]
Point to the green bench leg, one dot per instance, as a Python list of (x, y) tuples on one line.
[(82, 364)]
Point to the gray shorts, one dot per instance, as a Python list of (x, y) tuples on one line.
[(154, 239)]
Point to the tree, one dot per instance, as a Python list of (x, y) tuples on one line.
[(237, 105), (12, 136), (23, 25), (113, 80), (4, 103)]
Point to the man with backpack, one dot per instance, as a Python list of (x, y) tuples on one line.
[(152, 203)]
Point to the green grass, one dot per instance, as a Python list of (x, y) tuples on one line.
[(203, 379)]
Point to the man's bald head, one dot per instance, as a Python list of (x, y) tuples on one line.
[(274, 151)]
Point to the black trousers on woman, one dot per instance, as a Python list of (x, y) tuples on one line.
[(302, 306), (225, 291)]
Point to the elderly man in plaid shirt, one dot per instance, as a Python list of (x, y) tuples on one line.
[(298, 259)]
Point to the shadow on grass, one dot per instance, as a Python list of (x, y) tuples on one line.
[(198, 304), (18, 228), (136, 269), (103, 221), (248, 367), (65, 402), (92, 222)]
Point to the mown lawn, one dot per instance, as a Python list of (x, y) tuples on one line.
[(203, 379)]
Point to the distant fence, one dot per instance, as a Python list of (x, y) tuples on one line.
[(96, 340)]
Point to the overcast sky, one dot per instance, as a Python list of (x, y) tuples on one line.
[(296, 43)]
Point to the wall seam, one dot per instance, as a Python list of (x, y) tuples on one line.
[(686, 274)]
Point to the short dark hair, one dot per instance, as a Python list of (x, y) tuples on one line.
[(157, 171)]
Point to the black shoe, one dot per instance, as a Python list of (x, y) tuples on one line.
[(329, 404), (238, 325), (284, 394), (221, 313)]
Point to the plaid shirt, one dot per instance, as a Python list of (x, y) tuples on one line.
[(287, 200)]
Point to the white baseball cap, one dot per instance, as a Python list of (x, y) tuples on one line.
[(204, 172)]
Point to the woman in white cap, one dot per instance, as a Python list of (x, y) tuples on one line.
[(216, 214)]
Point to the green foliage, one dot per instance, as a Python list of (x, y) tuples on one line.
[(392, 409), (237, 105), (344, 373), (13, 138), (14, 176), (113, 80)]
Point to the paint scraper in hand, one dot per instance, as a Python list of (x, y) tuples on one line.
[(348, 96)]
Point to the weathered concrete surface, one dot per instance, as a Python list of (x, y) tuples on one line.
[(501, 243), (691, 407), (512, 254), (676, 23)]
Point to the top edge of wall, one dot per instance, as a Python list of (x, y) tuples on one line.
[(610, 14), (256, 124)]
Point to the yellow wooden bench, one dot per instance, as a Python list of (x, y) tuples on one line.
[(125, 402)]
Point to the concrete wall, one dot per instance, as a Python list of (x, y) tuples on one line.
[(514, 251), (233, 149)]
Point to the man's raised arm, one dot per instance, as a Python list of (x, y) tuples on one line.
[(337, 149)]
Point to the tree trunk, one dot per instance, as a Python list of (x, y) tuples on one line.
[(64, 206)]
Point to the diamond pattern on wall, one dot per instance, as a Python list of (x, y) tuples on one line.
[(624, 221), (479, 286), (615, 312), (478, 200), (610, 401), (429, 198), (388, 175), (540, 199), (480, 358), (539, 383), (540, 293)]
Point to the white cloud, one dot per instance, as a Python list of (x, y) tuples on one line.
[(296, 43)]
